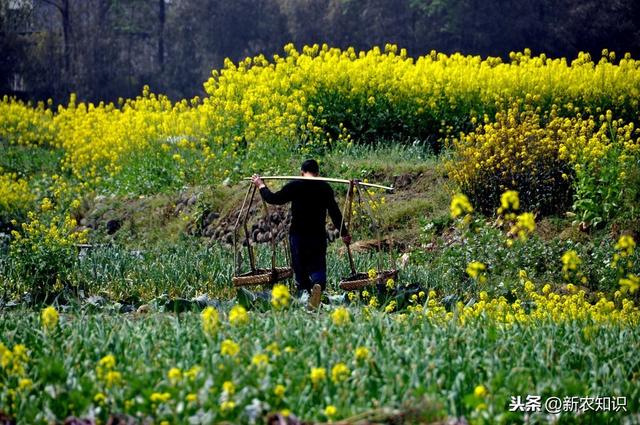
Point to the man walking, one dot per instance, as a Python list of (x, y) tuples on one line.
[(310, 203)]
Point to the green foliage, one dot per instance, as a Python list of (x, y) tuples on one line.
[(608, 188), (42, 255), (505, 258), (545, 359)]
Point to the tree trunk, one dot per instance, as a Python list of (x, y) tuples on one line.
[(66, 32), (161, 19)]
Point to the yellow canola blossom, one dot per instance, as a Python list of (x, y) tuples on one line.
[(15, 194), (280, 296), (262, 104), (210, 320), (543, 307), (340, 316), (460, 206), (238, 315), (49, 318)]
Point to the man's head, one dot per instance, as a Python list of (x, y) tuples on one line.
[(310, 168)]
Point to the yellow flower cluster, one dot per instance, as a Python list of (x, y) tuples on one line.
[(340, 372), (523, 146), (631, 283), (14, 361), (174, 375), (36, 233), (49, 318), (15, 194), (549, 306), (624, 249), (524, 226), (362, 353), (228, 387), (460, 205), (238, 315), (476, 270), (160, 397), (260, 360), (26, 125), (105, 371), (210, 320), (261, 105), (570, 264), (509, 201), (229, 348), (280, 296), (317, 375), (340, 316)]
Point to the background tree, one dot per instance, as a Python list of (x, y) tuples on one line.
[(105, 49)]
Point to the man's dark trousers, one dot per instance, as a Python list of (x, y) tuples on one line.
[(309, 260)]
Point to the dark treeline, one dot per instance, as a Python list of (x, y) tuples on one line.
[(105, 49)]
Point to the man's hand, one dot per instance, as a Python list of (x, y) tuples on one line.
[(346, 239), (255, 179)]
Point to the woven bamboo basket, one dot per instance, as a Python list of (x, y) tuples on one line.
[(361, 280), (262, 277)]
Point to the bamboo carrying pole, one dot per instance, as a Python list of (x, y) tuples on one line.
[(325, 179)]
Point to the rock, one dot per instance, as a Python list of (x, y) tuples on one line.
[(121, 419), (72, 420), (211, 217), (192, 200), (404, 260), (113, 226), (144, 308), (402, 181), (209, 230)]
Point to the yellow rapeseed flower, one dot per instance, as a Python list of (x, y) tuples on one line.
[(631, 283), (25, 384), (210, 320), (362, 353), (330, 411), (107, 362), (339, 372), (112, 378), (625, 245), (460, 205), (317, 375), (340, 316), (238, 315), (228, 405), (509, 201), (260, 360), (280, 297), (49, 318), (174, 374), (372, 273), (229, 348), (228, 387), (480, 391), (475, 270), (160, 397), (279, 390)]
